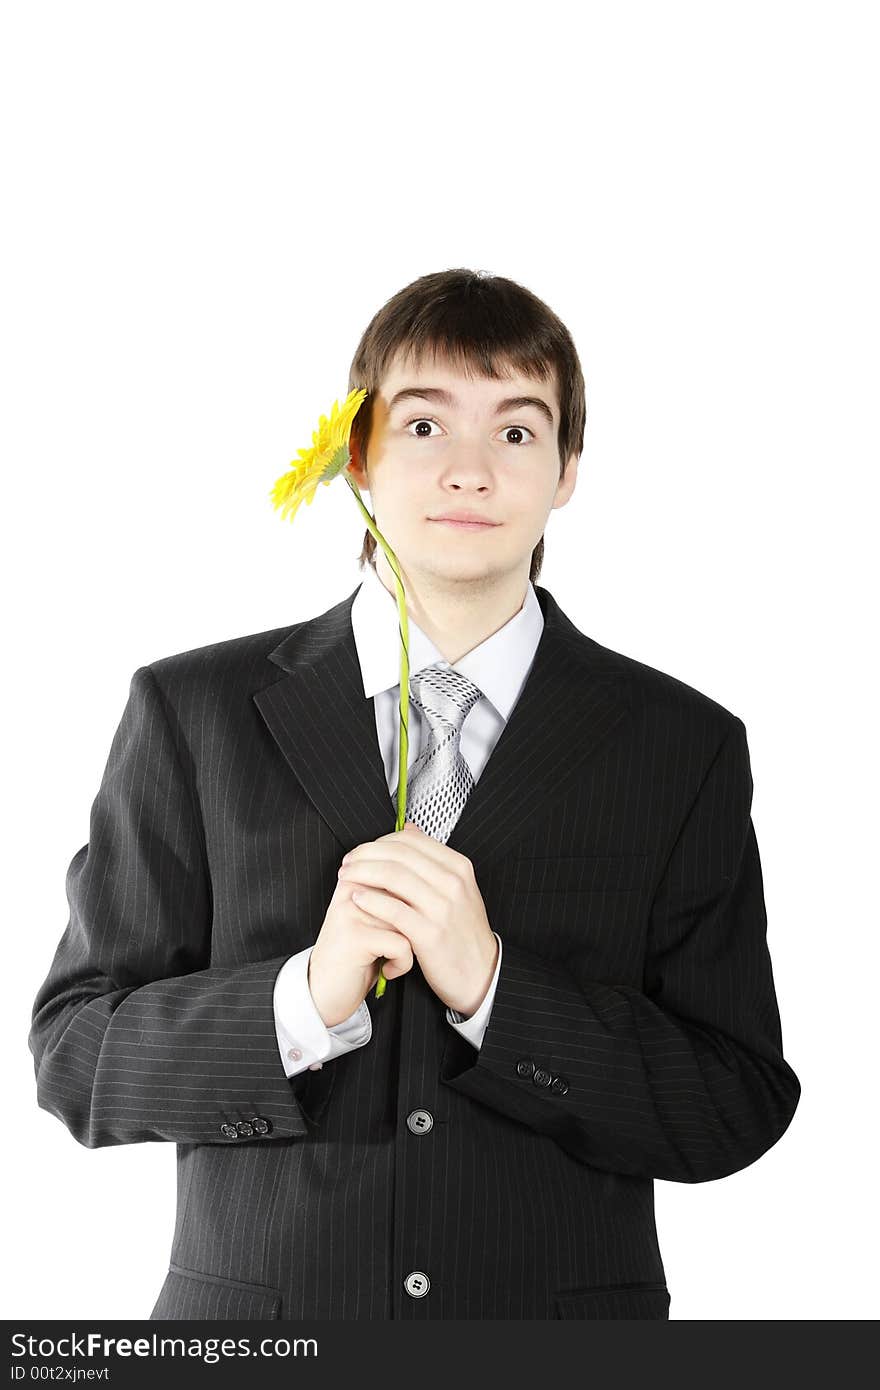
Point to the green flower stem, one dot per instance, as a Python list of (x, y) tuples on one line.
[(403, 757)]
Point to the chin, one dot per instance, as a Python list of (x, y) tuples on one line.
[(463, 568)]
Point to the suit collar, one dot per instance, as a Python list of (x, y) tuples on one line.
[(498, 665), (575, 695)]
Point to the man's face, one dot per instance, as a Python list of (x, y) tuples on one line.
[(430, 454)]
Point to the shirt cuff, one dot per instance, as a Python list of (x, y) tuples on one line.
[(303, 1039), (474, 1027)]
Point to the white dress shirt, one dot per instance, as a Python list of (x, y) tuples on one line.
[(498, 667)]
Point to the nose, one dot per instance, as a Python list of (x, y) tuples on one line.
[(471, 468)]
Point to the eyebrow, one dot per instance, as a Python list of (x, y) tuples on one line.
[(436, 393)]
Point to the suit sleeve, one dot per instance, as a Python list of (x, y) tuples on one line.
[(135, 1035), (685, 1079)]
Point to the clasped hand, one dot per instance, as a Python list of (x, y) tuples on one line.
[(428, 892)]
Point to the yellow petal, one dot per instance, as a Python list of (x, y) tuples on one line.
[(300, 483)]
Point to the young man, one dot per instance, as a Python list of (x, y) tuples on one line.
[(580, 997)]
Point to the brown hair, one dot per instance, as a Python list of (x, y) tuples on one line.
[(483, 323)]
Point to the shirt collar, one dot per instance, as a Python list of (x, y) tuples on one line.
[(498, 666)]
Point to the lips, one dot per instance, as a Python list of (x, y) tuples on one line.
[(467, 521)]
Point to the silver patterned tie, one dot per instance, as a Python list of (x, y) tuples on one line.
[(441, 781)]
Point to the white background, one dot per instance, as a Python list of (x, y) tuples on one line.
[(205, 204)]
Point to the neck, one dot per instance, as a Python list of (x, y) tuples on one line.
[(457, 615)]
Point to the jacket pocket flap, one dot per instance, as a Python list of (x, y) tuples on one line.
[(188, 1293), (590, 873), (614, 1301)]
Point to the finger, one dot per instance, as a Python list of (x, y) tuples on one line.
[(391, 946), (436, 864), (389, 910), (397, 878)]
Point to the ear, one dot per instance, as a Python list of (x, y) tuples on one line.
[(566, 484), (355, 467)]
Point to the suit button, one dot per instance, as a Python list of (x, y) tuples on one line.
[(560, 1085), (229, 1131), (542, 1077), (525, 1066), (245, 1127), (417, 1283), (261, 1126), (420, 1121)]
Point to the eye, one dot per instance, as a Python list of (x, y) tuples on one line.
[(421, 420), (517, 429), (429, 420)]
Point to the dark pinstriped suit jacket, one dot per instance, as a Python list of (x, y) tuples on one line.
[(635, 1032)]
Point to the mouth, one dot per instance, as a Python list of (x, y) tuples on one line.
[(463, 525)]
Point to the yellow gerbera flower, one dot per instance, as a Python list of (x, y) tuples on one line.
[(323, 462)]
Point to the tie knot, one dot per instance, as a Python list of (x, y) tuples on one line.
[(444, 694)]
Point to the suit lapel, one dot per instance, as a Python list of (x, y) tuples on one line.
[(575, 695)]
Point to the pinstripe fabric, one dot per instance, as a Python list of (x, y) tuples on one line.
[(634, 1034)]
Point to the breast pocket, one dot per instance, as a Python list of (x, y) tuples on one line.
[(588, 911), (189, 1294), (591, 873)]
